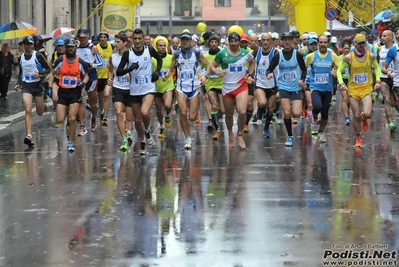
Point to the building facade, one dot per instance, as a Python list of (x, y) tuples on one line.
[(154, 16)]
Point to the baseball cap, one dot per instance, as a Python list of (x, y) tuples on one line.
[(312, 41), (334, 40), (60, 42), (374, 31), (305, 36), (234, 36), (312, 35), (95, 39), (287, 34), (275, 35), (71, 42), (244, 37), (327, 33), (185, 35), (28, 40), (360, 38)]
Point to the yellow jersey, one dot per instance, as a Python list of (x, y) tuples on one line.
[(105, 54)]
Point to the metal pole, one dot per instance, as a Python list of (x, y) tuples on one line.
[(372, 13), (269, 22), (170, 17)]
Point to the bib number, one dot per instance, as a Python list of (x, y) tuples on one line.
[(321, 78), (186, 75), (360, 78), (122, 79), (140, 80), (261, 72), (29, 77), (235, 68), (213, 75), (289, 76), (69, 81)]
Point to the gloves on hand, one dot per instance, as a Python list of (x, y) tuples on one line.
[(134, 66), (154, 77), (80, 85)]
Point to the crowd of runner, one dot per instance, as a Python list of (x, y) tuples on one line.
[(270, 77)]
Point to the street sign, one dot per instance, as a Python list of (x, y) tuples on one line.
[(331, 13)]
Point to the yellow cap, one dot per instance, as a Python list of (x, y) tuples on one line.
[(360, 38)]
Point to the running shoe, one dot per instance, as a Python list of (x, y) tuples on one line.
[(275, 120), (161, 133), (82, 131), (246, 129), (210, 126), (28, 141), (93, 125), (70, 147), (187, 144), (290, 141), (304, 113), (129, 137), (322, 138), (359, 141), (150, 141), (365, 123), (168, 122), (347, 121), (314, 129), (103, 120), (255, 118), (293, 120), (266, 133), (198, 119), (125, 145), (142, 149), (392, 127), (216, 135), (334, 98), (57, 125)]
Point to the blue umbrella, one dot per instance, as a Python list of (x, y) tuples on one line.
[(383, 15)]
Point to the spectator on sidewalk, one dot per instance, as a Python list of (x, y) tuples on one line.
[(6, 61)]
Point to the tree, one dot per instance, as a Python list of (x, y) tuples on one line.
[(361, 9)]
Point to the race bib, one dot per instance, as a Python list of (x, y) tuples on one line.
[(289, 76), (69, 81), (122, 79), (360, 78), (321, 78), (29, 77), (261, 72), (186, 75), (162, 73), (235, 68), (141, 80)]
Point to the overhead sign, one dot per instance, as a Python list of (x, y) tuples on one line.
[(331, 13)]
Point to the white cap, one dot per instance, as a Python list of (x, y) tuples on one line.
[(305, 36), (334, 40), (327, 33), (259, 36), (312, 35), (275, 35)]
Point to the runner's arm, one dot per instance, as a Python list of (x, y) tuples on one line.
[(273, 63), (158, 58), (124, 61), (340, 70), (301, 63)]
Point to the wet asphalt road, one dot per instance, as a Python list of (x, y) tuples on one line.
[(213, 206)]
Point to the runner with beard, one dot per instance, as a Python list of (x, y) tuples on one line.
[(70, 69), (214, 86)]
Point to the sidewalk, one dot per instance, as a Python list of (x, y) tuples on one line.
[(12, 110)]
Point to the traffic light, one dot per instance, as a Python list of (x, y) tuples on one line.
[(260, 28)]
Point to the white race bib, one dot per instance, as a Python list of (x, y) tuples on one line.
[(289, 76), (186, 75), (261, 72), (69, 81), (29, 77), (361, 78), (321, 78), (141, 80), (213, 75), (122, 79)]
